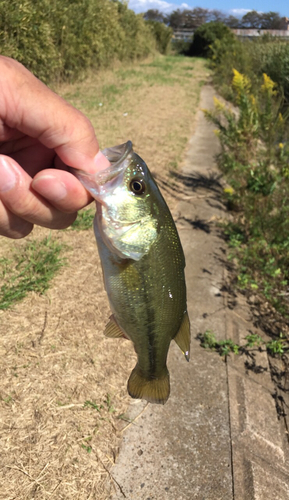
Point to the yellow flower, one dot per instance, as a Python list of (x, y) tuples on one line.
[(281, 145), (229, 190), (218, 105), (268, 85), (241, 83)]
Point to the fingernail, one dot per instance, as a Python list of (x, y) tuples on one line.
[(7, 176), (100, 161), (50, 188)]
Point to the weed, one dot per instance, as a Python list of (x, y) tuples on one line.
[(87, 448), (84, 220), (225, 347), (31, 268), (8, 400), (254, 158), (208, 340), (109, 404), (254, 340), (123, 416), (277, 346), (93, 405)]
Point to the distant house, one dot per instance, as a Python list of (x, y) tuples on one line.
[(250, 33), (185, 35), (285, 22)]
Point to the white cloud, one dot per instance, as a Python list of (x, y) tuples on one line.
[(239, 12), (140, 6), (143, 5)]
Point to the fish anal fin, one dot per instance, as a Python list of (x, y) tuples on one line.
[(183, 337), (154, 390), (112, 330)]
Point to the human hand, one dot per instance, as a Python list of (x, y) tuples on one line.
[(41, 136)]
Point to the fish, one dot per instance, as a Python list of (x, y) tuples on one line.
[(143, 268)]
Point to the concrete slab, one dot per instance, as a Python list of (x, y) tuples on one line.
[(218, 436)]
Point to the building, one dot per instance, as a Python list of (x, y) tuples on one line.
[(185, 35), (251, 33)]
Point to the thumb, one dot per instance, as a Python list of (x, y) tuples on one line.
[(32, 108)]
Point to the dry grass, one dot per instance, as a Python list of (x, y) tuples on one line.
[(63, 385), (153, 104)]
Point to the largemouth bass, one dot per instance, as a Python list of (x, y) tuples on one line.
[(143, 268)]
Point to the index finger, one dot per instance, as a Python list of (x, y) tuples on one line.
[(32, 108)]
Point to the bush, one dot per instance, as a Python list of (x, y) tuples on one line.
[(272, 57), (163, 35), (253, 58), (59, 40), (255, 159), (181, 47), (28, 35), (206, 35)]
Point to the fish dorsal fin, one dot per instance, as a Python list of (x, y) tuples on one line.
[(183, 336), (112, 330)]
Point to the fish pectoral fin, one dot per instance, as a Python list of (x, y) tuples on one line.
[(112, 330), (183, 337), (154, 390)]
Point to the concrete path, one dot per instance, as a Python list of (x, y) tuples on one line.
[(218, 436)]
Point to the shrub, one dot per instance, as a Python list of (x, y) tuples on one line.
[(255, 158), (163, 35), (27, 34), (206, 35), (262, 55), (181, 47), (62, 39), (272, 57)]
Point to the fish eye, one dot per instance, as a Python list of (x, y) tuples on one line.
[(137, 186)]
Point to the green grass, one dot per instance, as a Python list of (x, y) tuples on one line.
[(227, 346), (30, 268), (161, 71), (84, 220)]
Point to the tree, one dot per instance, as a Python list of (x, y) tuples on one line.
[(188, 19), (252, 20), (176, 19), (271, 21), (217, 15), (232, 21), (199, 16), (154, 15)]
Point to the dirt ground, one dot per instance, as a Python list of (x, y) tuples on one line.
[(63, 397)]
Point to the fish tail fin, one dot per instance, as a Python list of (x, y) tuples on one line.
[(156, 390)]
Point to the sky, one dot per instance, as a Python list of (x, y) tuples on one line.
[(230, 7)]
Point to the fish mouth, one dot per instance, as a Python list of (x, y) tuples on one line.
[(117, 154), (119, 158)]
